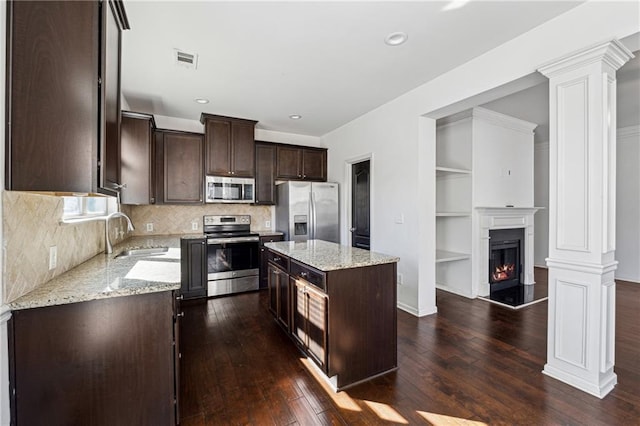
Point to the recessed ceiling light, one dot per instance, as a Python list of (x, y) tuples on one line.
[(396, 39), (202, 101), (295, 116)]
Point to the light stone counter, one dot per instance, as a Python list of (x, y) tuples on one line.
[(326, 256), (104, 276)]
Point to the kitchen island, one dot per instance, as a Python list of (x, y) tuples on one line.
[(99, 343), (338, 303)]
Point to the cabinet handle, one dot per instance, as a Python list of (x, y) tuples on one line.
[(119, 185), (180, 297), (181, 314), (304, 176), (303, 274), (276, 259)]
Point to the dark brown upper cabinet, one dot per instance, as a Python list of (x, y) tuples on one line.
[(136, 154), (63, 95), (179, 167), (110, 119), (265, 173), (301, 163), (229, 146)]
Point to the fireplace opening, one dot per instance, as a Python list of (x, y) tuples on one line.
[(506, 248)]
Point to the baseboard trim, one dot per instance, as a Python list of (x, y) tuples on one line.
[(629, 280), (454, 291), (599, 390), (415, 311)]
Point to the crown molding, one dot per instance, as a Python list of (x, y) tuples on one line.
[(612, 53)]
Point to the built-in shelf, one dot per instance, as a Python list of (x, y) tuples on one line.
[(453, 214), (443, 171), (450, 256)]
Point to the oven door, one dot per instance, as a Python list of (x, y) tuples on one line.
[(232, 257)]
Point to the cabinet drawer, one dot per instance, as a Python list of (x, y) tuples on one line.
[(313, 276), (281, 260), (271, 238)]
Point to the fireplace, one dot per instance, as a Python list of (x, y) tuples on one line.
[(506, 247)]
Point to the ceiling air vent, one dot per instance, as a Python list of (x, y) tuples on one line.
[(187, 60)]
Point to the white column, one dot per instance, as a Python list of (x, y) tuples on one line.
[(582, 168)]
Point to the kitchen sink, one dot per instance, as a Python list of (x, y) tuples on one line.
[(142, 251)]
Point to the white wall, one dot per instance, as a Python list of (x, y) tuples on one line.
[(541, 199), (628, 204), (502, 161), (391, 133)]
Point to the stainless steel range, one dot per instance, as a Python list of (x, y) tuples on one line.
[(233, 254)]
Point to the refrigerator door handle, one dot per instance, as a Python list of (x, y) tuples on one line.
[(312, 227)]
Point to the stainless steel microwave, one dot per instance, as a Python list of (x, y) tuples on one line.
[(229, 190)]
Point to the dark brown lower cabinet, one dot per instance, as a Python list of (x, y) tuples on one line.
[(264, 257), (193, 267), (103, 362)]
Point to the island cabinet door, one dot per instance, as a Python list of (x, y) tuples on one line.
[(283, 299), (316, 320), (279, 295), (299, 311), (309, 320)]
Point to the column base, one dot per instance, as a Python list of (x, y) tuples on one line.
[(606, 382)]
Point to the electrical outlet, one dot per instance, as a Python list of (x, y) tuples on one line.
[(400, 219), (400, 279), (53, 257), (194, 226), (149, 227), (267, 224)]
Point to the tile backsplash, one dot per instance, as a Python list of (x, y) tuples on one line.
[(173, 219), (31, 226)]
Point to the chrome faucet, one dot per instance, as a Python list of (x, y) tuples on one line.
[(108, 246)]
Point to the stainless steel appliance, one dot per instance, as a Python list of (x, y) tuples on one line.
[(308, 210), (229, 190), (233, 254)]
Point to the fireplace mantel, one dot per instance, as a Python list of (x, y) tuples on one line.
[(488, 218)]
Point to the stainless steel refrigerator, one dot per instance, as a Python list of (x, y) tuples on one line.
[(308, 211)]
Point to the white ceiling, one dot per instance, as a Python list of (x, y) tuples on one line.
[(323, 60)]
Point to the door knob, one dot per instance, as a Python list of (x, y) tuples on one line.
[(352, 229)]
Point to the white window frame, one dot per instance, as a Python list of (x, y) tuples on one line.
[(83, 212)]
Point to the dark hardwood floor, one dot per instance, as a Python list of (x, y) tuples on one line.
[(472, 363)]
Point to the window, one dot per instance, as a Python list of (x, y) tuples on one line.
[(78, 206)]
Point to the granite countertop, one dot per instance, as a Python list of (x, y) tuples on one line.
[(104, 276), (326, 256)]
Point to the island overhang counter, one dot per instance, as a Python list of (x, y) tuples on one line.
[(338, 303)]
